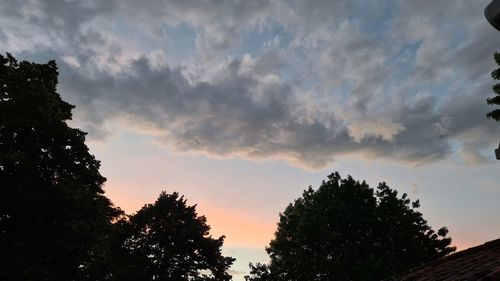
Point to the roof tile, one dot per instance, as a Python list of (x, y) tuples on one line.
[(480, 263)]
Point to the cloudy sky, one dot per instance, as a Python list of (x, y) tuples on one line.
[(241, 104)]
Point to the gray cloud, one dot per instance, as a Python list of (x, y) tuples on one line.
[(338, 87), (57, 20), (237, 113), (218, 22)]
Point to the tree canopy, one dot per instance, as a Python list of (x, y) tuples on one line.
[(347, 231), (55, 221), (495, 114), (53, 214), (167, 240)]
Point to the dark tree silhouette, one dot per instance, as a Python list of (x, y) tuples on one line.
[(167, 240), (259, 272), (53, 214), (495, 114), (346, 231)]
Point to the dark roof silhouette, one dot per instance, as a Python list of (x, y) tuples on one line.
[(480, 263)]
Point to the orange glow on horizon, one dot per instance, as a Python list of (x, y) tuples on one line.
[(241, 228)]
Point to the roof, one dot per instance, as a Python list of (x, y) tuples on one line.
[(480, 263)]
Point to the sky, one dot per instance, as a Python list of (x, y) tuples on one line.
[(241, 105)]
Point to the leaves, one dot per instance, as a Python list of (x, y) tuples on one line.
[(495, 114), (55, 222), (167, 240), (347, 231), (54, 215)]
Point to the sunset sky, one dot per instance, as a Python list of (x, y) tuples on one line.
[(241, 104)]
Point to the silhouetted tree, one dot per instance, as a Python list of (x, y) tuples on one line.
[(495, 114), (53, 214), (259, 272), (346, 231), (167, 240)]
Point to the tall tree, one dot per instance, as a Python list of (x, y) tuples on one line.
[(53, 214), (347, 231), (495, 114), (168, 241)]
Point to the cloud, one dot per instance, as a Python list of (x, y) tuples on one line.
[(356, 58), (471, 155), (385, 129), (402, 80), (236, 113), (218, 23), (49, 24), (240, 112)]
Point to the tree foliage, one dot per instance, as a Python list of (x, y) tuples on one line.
[(495, 114), (347, 231), (167, 240), (56, 223), (53, 214)]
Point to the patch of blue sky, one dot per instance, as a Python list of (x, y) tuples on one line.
[(341, 93), (403, 61), (455, 146), (485, 152), (438, 90), (304, 70), (459, 36), (181, 41), (374, 17), (404, 65), (177, 42), (253, 40), (135, 36)]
